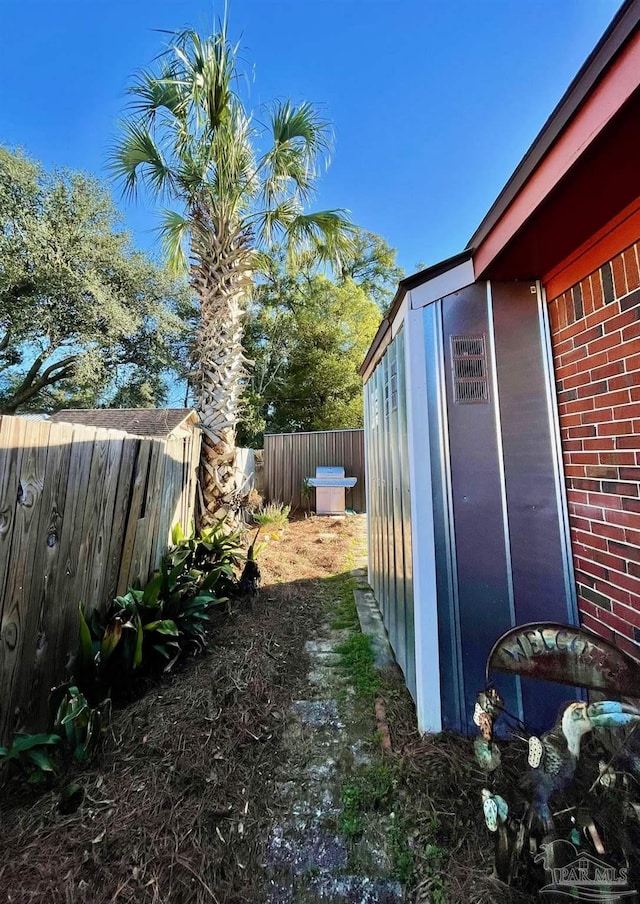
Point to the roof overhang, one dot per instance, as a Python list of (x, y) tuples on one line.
[(438, 278), (581, 170)]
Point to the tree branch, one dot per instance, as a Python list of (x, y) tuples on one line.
[(31, 386)]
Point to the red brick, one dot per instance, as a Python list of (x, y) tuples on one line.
[(575, 445), (633, 537), (624, 517), (599, 472), (606, 500), (588, 511), (587, 295), (628, 583), (619, 279), (580, 405), (611, 531), (618, 458), (553, 315), (602, 315), (591, 570), (593, 624), (564, 346), (613, 563), (629, 473), (580, 379), (609, 341), (625, 551), (632, 363), (607, 370), (630, 332), (566, 370), (577, 431), (583, 337), (590, 541), (620, 397), (616, 428), (631, 269), (621, 320), (599, 442), (620, 488), (562, 311), (577, 354), (628, 646), (591, 389), (628, 613), (596, 288), (597, 416), (625, 380), (624, 350), (628, 442), (625, 411), (580, 523), (615, 622)]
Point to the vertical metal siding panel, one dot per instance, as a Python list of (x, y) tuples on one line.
[(410, 673), (388, 513), (399, 635), (380, 491)]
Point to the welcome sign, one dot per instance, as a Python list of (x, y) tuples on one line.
[(567, 655)]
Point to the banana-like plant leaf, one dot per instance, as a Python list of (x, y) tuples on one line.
[(137, 656), (164, 626), (41, 760), (151, 592), (111, 639)]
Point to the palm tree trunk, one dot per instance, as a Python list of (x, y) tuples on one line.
[(220, 278)]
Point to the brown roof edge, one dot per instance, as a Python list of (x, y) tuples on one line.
[(410, 282), (622, 26)]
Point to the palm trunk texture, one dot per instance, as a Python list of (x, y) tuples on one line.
[(220, 278)]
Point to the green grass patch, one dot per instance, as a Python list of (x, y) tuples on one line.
[(357, 661), (342, 603), (368, 790)]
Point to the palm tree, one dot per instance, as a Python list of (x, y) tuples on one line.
[(235, 188)]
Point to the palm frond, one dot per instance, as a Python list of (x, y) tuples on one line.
[(301, 140), (137, 157), (156, 93), (328, 233), (174, 231)]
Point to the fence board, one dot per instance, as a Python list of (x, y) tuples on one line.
[(290, 457), (84, 513), (16, 616)]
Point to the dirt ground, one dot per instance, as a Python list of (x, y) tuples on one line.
[(178, 802)]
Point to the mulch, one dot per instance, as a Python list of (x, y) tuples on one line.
[(178, 802)]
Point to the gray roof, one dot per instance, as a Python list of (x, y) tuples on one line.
[(138, 421)]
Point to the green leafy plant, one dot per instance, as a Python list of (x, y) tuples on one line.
[(78, 723), (31, 753), (273, 517)]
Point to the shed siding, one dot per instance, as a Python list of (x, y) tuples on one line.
[(389, 504), (596, 344)]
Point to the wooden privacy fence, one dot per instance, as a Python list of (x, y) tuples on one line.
[(84, 514), (290, 457)]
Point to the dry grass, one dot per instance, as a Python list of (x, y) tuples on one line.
[(177, 805), (441, 789)]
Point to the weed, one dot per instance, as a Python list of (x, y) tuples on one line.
[(343, 607), (370, 789), (401, 853), (357, 660), (273, 517)]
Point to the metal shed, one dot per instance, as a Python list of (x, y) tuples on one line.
[(468, 521)]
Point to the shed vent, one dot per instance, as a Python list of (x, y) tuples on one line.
[(469, 361)]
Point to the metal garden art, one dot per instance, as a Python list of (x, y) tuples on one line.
[(564, 807)]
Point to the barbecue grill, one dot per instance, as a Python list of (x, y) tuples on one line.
[(331, 485)]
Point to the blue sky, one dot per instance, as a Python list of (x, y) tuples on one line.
[(433, 103)]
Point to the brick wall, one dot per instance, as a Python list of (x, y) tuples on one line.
[(596, 341)]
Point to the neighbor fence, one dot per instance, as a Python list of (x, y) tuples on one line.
[(85, 513), (290, 457)]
